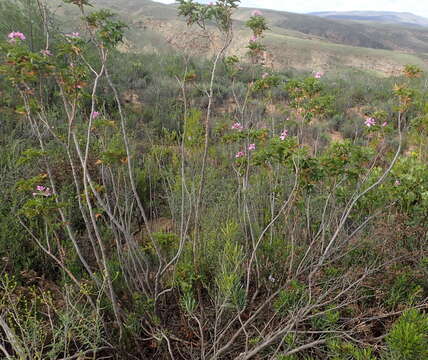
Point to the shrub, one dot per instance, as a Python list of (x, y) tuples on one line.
[(408, 338)]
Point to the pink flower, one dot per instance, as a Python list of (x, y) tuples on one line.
[(265, 75), (210, 4), (384, 124), (47, 192), (239, 154), (95, 114), (283, 135), (397, 183), (252, 147), (253, 38), (319, 75), (370, 122), (45, 52), (16, 35), (237, 126), (73, 35), (43, 191), (256, 13)]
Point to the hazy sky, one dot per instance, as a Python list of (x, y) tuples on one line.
[(418, 7)]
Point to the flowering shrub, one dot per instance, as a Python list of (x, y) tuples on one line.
[(14, 35), (369, 122), (43, 191), (283, 135), (257, 23), (237, 126), (318, 75), (227, 217)]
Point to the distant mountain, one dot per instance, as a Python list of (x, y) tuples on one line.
[(372, 35), (386, 17)]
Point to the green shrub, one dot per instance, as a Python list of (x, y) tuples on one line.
[(408, 338)]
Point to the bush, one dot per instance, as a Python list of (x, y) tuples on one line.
[(408, 338)]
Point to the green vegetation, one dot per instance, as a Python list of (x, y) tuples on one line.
[(173, 206)]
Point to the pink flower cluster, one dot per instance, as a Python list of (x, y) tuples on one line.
[(319, 75), (237, 126), (95, 114), (73, 35), (369, 122), (240, 154), (283, 135), (253, 39), (256, 13), (45, 52), (43, 191), (14, 35)]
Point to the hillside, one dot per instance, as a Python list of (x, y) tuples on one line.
[(388, 17), (296, 40), (377, 36)]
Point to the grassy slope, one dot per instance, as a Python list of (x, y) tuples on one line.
[(378, 36), (318, 54), (402, 18), (298, 41)]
